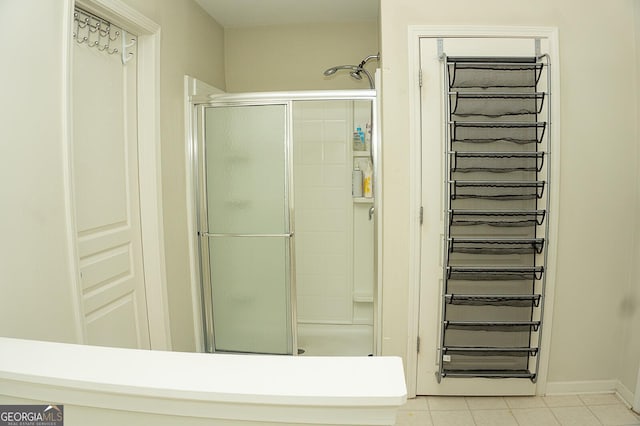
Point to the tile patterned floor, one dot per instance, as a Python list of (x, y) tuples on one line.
[(562, 410)]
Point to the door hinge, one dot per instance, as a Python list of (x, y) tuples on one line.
[(418, 344), (420, 77), (421, 215)]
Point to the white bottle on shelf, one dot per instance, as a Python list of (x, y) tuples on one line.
[(367, 138), (356, 182), (357, 143)]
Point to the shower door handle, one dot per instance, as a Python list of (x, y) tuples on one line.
[(216, 235)]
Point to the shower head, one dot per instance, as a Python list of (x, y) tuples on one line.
[(333, 70), (330, 71), (356, 70)]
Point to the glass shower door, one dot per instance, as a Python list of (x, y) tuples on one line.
[(248, 237)]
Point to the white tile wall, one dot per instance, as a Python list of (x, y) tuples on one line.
[(334, 237), (323, 211)]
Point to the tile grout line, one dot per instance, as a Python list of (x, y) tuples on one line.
[(545, 404), (581, 402)]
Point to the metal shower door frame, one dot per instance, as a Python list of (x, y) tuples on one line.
[(198, 156), (200, 168)]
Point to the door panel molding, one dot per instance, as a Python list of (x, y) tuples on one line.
[(148, 116)]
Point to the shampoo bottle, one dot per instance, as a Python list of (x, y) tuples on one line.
[(367, 180)]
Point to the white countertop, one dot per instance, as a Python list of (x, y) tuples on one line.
[(253, 379)]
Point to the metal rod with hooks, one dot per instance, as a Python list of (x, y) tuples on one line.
[(97, 32)]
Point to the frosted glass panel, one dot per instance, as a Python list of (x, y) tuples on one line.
[(246, 171), (249, 277), (246, 178)]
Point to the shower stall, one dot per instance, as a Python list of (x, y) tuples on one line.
[(287, 194)]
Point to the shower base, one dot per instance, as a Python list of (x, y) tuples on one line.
[(335, 339)]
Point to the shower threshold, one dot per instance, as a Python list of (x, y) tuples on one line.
[(335, 339)]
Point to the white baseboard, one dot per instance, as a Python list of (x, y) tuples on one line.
[(625, 394), (592, 386)]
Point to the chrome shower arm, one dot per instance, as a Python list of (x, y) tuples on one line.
[(370, 57)]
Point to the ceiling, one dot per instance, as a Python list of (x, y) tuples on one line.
[(248, 13)]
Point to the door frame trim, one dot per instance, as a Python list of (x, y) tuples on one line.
[(636, 399), (415, 33), (149, 165)]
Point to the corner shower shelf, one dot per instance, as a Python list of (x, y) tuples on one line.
[(363, 298), (496, 230), (361, 154), (363, 200)]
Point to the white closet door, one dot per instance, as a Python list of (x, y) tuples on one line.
[(106, 196), (433, 196)]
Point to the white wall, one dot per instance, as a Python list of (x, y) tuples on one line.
[(293, 57), (36, 295), (598, 179), (192, 43)]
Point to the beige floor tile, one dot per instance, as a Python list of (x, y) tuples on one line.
[(452, 418), (565, 410), (438, 403), (418, 403), (493, 418), (413, 418), (614, 415), (563, 401), (525, 402), (575, 416), (534, 417), (485, 402), (600, 399)]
